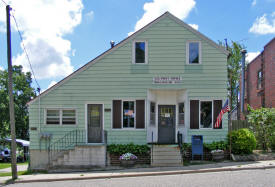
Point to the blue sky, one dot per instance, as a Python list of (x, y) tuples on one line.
[(61, 36)]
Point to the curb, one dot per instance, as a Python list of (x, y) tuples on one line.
[(144, 174)]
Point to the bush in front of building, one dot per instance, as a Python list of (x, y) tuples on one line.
[(220, 145), (272, 143), (243, 141), (120, 149), (141, 151), (263, 126)]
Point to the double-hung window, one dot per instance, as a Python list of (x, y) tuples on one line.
[(60, 116), (128, 114), (181, 113), (53, 117), (68, 117), (259, 79), (140, 51), (193, 52)]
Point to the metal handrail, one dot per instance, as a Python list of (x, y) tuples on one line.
[(69, 140), (180, 144)]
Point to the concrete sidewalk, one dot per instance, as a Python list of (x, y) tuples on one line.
[(151, 171)]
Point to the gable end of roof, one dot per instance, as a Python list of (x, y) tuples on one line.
[(90, 63)]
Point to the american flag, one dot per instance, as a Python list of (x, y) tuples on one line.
[(225, 109)]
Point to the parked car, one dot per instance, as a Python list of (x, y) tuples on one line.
[(5, 155)]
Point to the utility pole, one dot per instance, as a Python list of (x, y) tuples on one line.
[(11, 102)]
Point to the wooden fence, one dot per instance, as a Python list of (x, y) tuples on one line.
[(239, 124)]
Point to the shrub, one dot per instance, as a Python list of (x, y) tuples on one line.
[(216, 145), (243, 141), (128, 148), (272, 143), (263, 125)]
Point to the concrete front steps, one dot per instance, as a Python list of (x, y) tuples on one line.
[(166, 155), (81, 157)]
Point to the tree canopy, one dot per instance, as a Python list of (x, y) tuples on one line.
[(234, 69), (22, 92)]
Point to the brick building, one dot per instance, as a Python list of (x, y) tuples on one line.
[(260, 79)]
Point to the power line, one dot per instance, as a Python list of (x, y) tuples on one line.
[(4, 2), (28, 59)]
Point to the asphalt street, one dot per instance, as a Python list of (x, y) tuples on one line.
[(229, 178)]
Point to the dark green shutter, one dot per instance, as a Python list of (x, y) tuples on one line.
[(194, 114), (140, 114), (117, 114)]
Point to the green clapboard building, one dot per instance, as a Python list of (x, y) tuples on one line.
[(166, 78)]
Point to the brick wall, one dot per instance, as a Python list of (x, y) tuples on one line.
[(269, 68), (266, 96), (253, 94)]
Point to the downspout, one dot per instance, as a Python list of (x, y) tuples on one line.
[(39, 125), (39, 110)]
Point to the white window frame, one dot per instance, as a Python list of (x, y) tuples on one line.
[(187, 51), (212, 102), (134, 52), (122, 127), (60, 116)]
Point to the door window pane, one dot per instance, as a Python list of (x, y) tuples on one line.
[(128, 114), (95, 115), (206, 114), (52, 117), (140, 52), (68, 117), (193, 52), (181, 113)]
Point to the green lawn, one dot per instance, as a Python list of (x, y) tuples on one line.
[(4, 165), (18, 173)]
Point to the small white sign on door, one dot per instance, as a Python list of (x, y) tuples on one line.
[(167, 115)]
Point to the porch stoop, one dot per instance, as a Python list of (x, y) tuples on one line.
[(166, 155), (82, 156)]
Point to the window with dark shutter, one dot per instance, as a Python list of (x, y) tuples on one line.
[(116, 114), (140, 117), (194, 114), (217, 110)]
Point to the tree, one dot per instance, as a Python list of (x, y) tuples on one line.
[(234, 69), (22, 92), (263, 125)]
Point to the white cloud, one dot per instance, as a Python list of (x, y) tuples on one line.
[(1, 68), (51, 84), (179, 8), (263, 25), (73, 52), (251, 55), (195, 26), (44, 23), (90, 15), (254, 2)]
